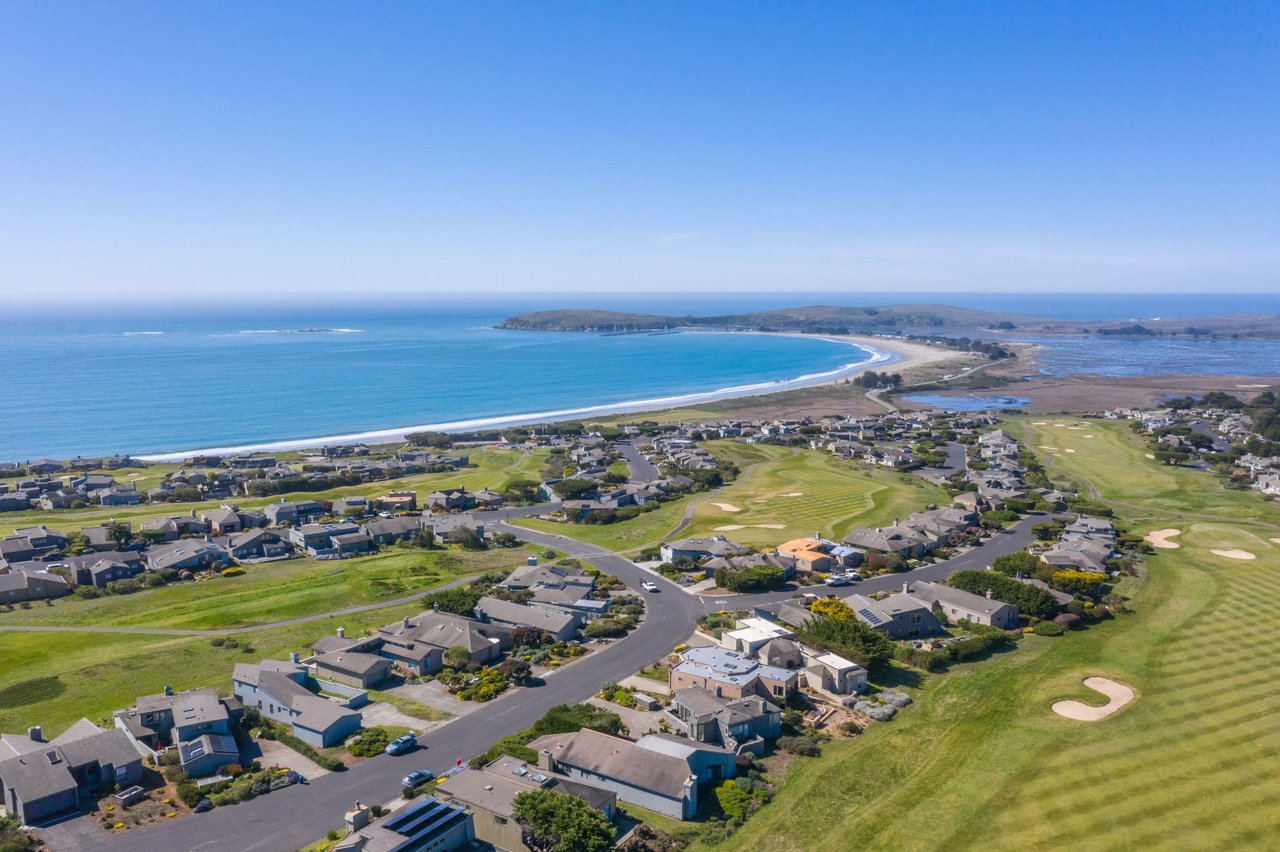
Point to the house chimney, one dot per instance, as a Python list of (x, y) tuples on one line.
[(990, 594), (35, 733), (407, 625), (295, 657), (342, 633), (168, 690), (906, 587)]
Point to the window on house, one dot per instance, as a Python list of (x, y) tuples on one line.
[(500, 820)]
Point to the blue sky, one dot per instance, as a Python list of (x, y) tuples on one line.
[(218, 148)]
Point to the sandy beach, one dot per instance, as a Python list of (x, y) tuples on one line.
[(884, 353)]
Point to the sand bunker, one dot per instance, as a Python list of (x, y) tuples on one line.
[(1150, 455), (1070, 450), (1046, 447), (1160, 538), (1086, 436), (1275, 541), (1233, 553), (732, 527), (727, 507), (1040, 423), (794, 494), (1118, 693)]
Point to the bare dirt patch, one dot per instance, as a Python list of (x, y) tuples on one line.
[(1117, 694), (1234, 553), (1160, 538)]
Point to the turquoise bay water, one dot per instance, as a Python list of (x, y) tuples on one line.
[(151, 384)]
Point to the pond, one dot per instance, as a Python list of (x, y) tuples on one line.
[(968, 402)]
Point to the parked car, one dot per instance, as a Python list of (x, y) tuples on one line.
[(853, 575), (400, 745), (649, 586), (837, 580), (417, 778)]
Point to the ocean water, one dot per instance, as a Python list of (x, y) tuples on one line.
[(151, 379), (159, 382)]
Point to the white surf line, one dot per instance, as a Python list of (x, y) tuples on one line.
[(877, 358)]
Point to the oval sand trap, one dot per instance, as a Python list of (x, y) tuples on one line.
[(1150, 455), (1118, 693), (1233, 553), (1275, 541), (1160, 538), (732, 527), (727, 507), (794, 494)]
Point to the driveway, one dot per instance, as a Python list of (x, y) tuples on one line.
[(638, 722), (382, 714), (276, 753)]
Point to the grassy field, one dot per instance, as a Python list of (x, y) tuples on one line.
[(53, 679), (649, 528), (981, 761), (494, 469), (272, 592), (803, 491)]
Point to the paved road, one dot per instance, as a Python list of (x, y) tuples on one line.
[(642, 470), (296, 816)]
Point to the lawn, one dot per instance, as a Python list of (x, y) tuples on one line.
[(980, 761), (805, 491), (53, 679), (272, 591), (649, 528), (494, 469)]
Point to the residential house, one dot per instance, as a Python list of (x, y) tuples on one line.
[(352, 668), (425, 825), (337, 539), (700, 548), (560, 625), (286, 692), (807, 555), (834, 675), (41, 781), (29, 585), (730, 674), (418, 644), (255, 545), (285, 512), (384, 531), (490, 792), (739, 725), (895, 540), (958, 604), (659, 772), (196, 722), (186, 555)]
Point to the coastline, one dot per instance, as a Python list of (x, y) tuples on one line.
[(882, 351)]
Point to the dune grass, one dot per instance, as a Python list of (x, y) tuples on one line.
[(981, 761), (494, 469)]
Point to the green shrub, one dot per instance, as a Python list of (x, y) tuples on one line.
[(234, 571), (1049, 628)]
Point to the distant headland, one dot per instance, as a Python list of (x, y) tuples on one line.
[(828, 319)]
